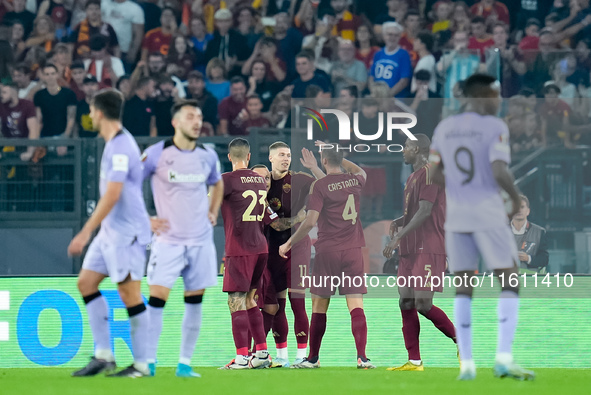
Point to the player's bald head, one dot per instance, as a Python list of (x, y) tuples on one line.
[(422, 142), (239, 149)]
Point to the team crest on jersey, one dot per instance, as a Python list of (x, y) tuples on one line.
[(286, 188), (275, 204)]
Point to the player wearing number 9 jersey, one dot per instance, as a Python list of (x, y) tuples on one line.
[(334, 204), (473, 147), (244, 211)]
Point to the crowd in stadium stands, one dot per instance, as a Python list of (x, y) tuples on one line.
[(245, 60)]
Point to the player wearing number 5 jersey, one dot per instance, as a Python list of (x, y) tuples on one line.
[(422, 251), (244, 210), (334, 204), (392, 64), (473, 148)]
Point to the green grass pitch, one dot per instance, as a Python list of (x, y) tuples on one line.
[(439, 381)]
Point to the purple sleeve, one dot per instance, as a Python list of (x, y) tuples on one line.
[(118, 161), (150, 159), (499, 148), (214, 175)]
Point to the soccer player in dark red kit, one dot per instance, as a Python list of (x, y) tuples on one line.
[(243, 211), (422, 251), (333, 204), (287, 197)]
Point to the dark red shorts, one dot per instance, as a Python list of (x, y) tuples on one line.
[(347, 265), (288, 273), (266, 293), (422, 267), (243, 273)]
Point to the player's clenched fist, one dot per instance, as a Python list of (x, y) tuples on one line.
[(78, 243)]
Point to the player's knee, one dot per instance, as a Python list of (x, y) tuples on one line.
[(271, 309), (406, 303), (423, 306), (86, 286)]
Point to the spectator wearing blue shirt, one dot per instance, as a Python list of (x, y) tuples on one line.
[(308, 75), (392, 64)]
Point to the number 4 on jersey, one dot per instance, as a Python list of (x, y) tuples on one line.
[(349, 213)]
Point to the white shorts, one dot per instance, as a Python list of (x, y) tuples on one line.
[(496, 246), (115, 260), (196, 264)]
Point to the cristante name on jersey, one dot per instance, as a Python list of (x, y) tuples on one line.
[(343, 184), (252, 180), (173, 176)]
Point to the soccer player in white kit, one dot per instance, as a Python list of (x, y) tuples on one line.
[(473, 150), (119, 248), (182, 170)]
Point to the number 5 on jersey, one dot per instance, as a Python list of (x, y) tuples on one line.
[(349, 213), (247, 216)]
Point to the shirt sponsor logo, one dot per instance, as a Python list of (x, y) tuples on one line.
[(120, 162), (173, 176)]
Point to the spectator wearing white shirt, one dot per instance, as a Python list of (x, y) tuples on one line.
[(127, 18), (105, 68), (423, 45)]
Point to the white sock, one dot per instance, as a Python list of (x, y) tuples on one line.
[(155, 325), (508, 313), (463, 321), (262, 354), (282, 353), (468, 366), (415, 362), (190, 330), (301, 353), (185, 361)]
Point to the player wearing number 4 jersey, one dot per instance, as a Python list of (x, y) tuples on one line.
[(473, 147), (181, 170), (422, 251), (244, 213), (334, 204)]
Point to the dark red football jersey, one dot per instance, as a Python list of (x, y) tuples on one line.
[(244, 211), (429, 237), (287, 196), (337, 198)]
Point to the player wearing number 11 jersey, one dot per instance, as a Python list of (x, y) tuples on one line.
[(473, 147), (334, 204)]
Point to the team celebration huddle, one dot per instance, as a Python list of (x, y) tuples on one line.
[(453, 214)]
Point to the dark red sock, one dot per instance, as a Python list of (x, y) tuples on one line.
[(240, 331), (359, 329), (280, 328), (441, 322), (255, 324), (411, 328), (301, 325), (267, 321), (317, 329)]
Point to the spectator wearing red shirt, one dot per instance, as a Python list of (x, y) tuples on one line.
[(492, 11), (347, 23), (253, 117), (158, 39), (90, 26), (412, 26), (19, 117), (480, 39), (230, 108), (528, 45)]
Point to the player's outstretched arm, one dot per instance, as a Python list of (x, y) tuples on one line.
[(505, 179), (103, 208), (309, 162), (281, 224), (303, 230), (215, 201)]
